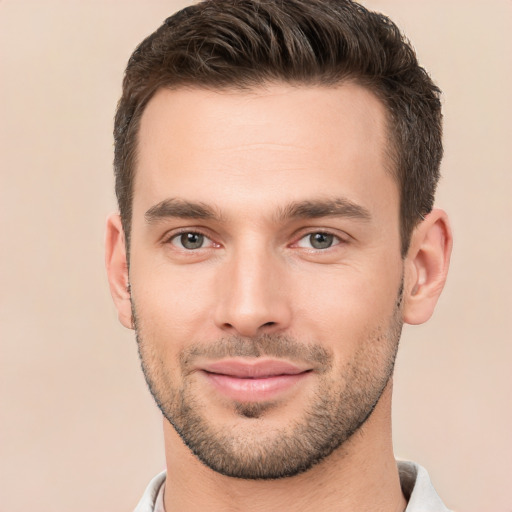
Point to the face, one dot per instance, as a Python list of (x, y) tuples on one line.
[(265, 270)]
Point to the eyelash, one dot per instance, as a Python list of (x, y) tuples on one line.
[(337, 240), (175, 235)]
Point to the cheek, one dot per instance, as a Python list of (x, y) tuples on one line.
[(347, 303), (173, 305)]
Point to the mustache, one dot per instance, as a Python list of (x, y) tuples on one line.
[(265, 345)]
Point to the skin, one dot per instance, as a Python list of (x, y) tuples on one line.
[(248, 157)]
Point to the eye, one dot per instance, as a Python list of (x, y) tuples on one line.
[(191, 240), (318, 241)]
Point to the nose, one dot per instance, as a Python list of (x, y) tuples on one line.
[(252, 295)]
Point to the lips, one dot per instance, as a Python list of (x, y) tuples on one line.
[(250, 381), (253, 369)]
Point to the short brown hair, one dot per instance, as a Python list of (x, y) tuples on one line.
[(240, 44)]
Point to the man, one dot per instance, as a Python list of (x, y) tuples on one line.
[(276, 163)]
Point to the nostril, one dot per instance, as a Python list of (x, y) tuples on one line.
[(269, 324)]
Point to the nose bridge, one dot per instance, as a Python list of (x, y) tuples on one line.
[(252, 297)]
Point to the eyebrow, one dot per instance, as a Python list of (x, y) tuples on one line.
[(182, 209), (338, 207)]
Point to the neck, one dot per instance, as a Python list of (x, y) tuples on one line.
[(360, 475)]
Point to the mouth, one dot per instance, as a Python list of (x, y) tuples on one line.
[(253, 381)]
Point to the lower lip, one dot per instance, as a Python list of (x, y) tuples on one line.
[(254, 390)]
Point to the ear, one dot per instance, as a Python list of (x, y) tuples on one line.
[(426, 266), (117, 269)]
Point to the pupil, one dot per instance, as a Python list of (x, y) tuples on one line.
[(321, 240), (192, 240)]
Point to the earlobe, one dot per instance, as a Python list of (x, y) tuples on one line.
[(426, 266), (117, 269)]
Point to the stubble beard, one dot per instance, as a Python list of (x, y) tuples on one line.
[(342, 403)]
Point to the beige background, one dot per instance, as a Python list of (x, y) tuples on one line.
[(78, 430)]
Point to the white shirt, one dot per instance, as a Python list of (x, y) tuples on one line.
[(414, 479)]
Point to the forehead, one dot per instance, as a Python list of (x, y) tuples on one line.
[(279, 141)]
